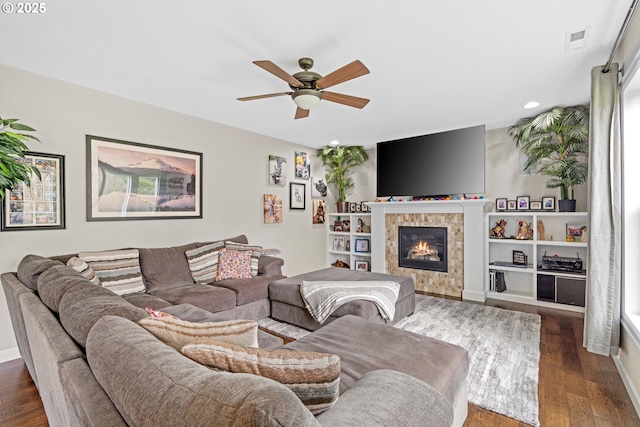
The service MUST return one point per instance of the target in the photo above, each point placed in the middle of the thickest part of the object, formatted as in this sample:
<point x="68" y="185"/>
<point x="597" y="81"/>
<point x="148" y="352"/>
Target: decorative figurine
<point x="540" y="230"/>
<point x="497" y="232"/>
<point x="524" y="230"/>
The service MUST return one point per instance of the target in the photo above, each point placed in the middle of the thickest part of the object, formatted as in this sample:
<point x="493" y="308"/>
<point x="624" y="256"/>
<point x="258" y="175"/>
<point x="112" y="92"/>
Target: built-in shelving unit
<point x="352" y="242"/>
<point x="530" y="284"/>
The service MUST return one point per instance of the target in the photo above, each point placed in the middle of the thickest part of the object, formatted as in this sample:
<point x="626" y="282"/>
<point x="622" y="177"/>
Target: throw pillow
<point x="158" y="313"/>
<point x="118" y="270"/>
<point x="256" y="253"/>
<point x="234" y="264"/>
<point x="84" y="269"/>
<point x="313" y="377"/>
<point x="177" y="333"/>
<point x="203" y="262"/>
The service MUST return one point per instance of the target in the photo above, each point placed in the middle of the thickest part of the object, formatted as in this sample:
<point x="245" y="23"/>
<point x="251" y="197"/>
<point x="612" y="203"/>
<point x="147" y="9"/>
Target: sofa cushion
<point x="84" y="269"/>
<point x="233" y="264"/>
<point x="118" y="270"/>
<point x="55" y="282"/>
<point x="84" y="304"/>
<point x="203" y="262"/>
<point x="178" y="333"/>
<point x="256" y="252"/>
<point x="249" y="290"/>
<point x="133" y="366"/>
<point x="30" y="268"/>
<point x="313" y="377"/>
<point x="165" y="267"/>
<point x="210" y="298"/>
<point x="144" y="300"/>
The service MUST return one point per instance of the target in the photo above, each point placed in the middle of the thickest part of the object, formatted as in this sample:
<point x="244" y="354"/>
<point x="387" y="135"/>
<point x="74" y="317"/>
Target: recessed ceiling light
<point x="334" y="142"/>
<point x="532" y="104"/>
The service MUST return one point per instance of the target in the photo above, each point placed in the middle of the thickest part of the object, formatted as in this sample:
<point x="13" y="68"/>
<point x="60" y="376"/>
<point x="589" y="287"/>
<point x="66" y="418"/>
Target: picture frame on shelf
<point x="338" y="243"/>
<point x="523" y="202"/>
<point x="577" y="231"/>
<point x="535" y="206"/>
<point x="352" y="206"/>
<point x="511" y="205"/>
<point x="337" y="226"/>
<point x="40" y="205"/>
<point x="501" y="204"/>
<point x="548" y="203"/>
<point x="346" y="225"/>
<point x="362" y="265"/>
<point x="297" y="196"/>
<point x="112" y="165"/>
<point x="362" y="245"/>
<point x="348" y="245"/>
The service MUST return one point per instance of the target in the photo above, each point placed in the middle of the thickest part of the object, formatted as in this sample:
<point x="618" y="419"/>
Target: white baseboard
<point x="473" y="296"/>
<point x="633" y="393"/>
<point x="11" y="354"/>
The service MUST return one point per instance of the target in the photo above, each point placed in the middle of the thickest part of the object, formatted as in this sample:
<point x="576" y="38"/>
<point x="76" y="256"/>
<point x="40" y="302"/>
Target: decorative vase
<point x="566" y="205"/>
<point x="342" y="207"/>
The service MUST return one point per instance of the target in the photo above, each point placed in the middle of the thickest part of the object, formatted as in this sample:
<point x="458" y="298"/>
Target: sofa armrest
<point x="270" y="266"/>
<point x="407" y="402"/>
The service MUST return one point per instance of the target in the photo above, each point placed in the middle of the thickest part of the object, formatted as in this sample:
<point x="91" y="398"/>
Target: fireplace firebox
<point x="423" y="248"/>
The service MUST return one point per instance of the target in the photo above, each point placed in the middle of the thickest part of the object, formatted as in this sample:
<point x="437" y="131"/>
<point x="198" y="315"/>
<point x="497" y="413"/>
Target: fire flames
<point x="423" y="251"/>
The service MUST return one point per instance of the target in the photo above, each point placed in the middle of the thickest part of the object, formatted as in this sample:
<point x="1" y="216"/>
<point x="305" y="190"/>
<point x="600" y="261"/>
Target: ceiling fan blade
<point x="340" y="98"/>
<point x="301" y="113"/>
<point x="341" y="75"/>
<point x="269" y="95"/>
<point x="278" y="72"/>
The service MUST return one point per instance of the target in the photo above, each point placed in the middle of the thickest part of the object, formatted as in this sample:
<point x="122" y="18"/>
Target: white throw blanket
<point x="324" y="297"/>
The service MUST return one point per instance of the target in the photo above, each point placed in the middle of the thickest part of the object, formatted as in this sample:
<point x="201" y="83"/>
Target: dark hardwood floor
<point x="577" y="388"/>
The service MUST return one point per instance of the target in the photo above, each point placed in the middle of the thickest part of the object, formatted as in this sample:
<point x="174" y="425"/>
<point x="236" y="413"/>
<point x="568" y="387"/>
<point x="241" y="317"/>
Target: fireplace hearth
<point x="423" y="248"/>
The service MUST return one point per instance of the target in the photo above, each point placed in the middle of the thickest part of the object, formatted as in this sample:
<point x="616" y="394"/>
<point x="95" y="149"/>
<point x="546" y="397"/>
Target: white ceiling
<point x="435" y="64"/>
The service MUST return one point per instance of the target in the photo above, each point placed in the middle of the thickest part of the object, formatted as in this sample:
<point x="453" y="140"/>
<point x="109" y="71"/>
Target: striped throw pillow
<point x="313" y="377"/>
<point x="84" y="269"/>
<point x="118" y="270"/>
<point x="177" y="333"/>
<point x="203" y="262"/>
<point x="256" y="252"/>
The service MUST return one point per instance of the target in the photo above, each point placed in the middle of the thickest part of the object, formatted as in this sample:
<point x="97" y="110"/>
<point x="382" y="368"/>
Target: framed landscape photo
<point x="297" y="195"/>
<point x="40" y="205"/>
<point x="501" y="204"/>
<point x="549" y="203"/>
<point x="362" y="245"/>
<point x="131" y="181"/>
<point x="523" y="202"/>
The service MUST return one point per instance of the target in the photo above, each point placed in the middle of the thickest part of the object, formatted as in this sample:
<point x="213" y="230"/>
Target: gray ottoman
<point x="365" y="346"/>
<point x="287" y="304"/>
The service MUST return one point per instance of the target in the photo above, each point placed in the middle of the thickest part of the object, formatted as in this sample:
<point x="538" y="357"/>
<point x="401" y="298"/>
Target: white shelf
<point x="522" y="282"/>
<point x="349" y="256"/>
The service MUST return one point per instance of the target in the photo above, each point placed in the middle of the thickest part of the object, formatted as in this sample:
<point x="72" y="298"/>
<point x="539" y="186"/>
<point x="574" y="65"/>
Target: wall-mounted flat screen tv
<point x="438" y="164"/>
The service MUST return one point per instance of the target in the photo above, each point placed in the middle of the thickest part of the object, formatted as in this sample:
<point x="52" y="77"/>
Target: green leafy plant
<point x="339" y="162"/>
<point x="13" y="169"/>
<point x="556" y="143"/>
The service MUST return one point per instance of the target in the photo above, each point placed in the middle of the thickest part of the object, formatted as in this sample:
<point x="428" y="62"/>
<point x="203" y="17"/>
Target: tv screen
<point x="439" y="164"/>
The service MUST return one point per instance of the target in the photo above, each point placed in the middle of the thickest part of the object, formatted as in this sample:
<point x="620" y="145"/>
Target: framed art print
<point x="362" y="245"/>
<point x="549" y="203"/>
<point x="297" y="195"/>
<point x="511" y="205"/>
<point x="130" y="181"/>
<point x="39" y="205"/>
<point x="523" y="202"/>
<point x="362" y="265"/>
<point x="535" y="206"/>
<point x="501" y="204"/>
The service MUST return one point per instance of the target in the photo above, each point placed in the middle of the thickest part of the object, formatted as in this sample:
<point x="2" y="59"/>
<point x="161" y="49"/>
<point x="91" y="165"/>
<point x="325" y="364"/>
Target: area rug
<point x="503" y="346"/>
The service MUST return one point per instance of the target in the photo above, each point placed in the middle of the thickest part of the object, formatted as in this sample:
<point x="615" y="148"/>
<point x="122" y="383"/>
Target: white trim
<point x="631" y="325"/>
<point x="628" y="384"/>
<point x="10" y="354"/>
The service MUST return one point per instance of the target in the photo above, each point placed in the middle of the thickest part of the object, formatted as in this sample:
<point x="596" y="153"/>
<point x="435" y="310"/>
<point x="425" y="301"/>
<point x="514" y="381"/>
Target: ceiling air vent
<point x="576" y="39"/>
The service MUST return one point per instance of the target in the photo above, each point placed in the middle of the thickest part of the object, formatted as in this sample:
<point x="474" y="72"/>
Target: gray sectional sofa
<point x="95" y="366"/>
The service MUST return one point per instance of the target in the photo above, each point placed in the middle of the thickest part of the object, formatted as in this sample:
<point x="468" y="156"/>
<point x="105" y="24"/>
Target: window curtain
<point x="602" y="316"/>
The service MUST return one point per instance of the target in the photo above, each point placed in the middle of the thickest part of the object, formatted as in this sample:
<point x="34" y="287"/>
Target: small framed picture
<point x="511" y="205"/>
<point x="535" y="206"/>
<point x="577" y="232"/>
<point x="297" y="195"/>
<point x="523" y="202"/>
<point x="362" y="245"/>
<point x="338" y="243"/>
<point x="346" y="225"/>
<point x="348" y="245"/>
<point x="337" y="226"/>
<point x="358" y="207"/>
<point x="352" y="206"/>
<point x="362" y="265"/>
<point x="549" y="203"/>
<point x="501" y="204"/>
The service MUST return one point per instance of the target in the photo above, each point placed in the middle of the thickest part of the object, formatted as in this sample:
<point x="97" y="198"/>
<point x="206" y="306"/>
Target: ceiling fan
<point x="308" y="86"/>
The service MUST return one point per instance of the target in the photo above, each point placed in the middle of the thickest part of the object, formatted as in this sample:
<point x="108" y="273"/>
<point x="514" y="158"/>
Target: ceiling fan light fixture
<point x="306" y="98"/>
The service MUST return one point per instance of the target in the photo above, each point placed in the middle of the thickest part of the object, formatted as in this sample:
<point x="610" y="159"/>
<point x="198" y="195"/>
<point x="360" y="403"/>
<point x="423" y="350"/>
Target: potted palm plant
<point x="339" y="162"/>
<point x="556" y="143"/>
<point x="13" y="169"/>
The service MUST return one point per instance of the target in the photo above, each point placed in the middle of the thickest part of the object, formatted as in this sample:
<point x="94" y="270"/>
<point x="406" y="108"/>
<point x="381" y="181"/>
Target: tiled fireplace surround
<point x="465" y="227"/>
